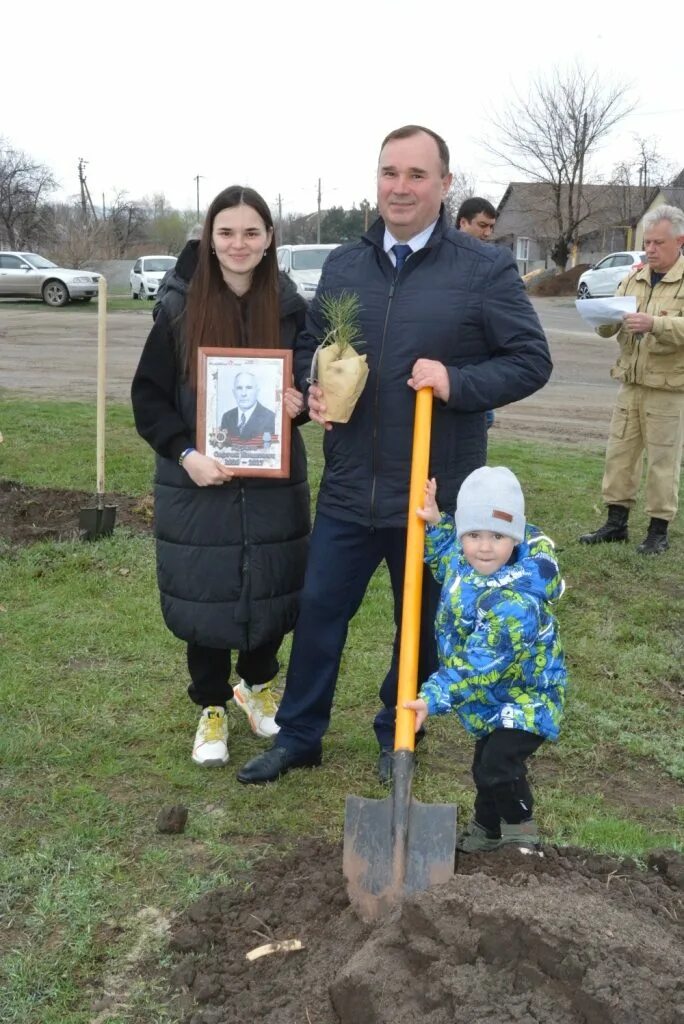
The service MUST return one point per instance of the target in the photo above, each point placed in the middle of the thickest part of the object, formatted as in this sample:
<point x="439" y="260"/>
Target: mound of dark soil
<point x="30" y="514"/>
<point x="570" y="938"/>
<point x="560" y="284"/>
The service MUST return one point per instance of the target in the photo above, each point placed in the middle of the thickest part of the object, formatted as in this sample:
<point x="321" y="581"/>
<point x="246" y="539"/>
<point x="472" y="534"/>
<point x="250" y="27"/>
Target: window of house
<point x="523" y="250"/>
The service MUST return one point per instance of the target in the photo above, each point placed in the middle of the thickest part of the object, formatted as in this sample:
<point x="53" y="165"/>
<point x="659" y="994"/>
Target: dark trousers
<point x="500" y="775"/>
<point x="209" y="670"/>
<point x="342" y="559"/>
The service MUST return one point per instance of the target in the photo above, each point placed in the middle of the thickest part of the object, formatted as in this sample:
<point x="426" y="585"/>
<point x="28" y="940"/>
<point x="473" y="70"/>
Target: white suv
<point x="303" y="263"/>
<point x="146" y="274"/>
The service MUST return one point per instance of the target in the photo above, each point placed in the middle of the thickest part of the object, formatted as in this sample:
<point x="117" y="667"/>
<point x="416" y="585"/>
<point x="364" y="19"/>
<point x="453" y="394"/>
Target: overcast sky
<point x="276" y="94"/>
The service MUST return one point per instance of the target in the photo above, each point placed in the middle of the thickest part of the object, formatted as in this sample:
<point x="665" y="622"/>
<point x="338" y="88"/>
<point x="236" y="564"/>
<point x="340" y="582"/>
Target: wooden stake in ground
<point x="99" y="521"/>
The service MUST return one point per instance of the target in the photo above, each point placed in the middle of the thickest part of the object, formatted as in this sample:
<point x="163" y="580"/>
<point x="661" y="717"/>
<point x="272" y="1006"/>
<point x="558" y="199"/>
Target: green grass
<point x="97" y="729"/>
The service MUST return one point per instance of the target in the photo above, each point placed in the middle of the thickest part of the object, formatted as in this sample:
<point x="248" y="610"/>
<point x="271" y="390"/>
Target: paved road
<point x="576" y="403"/>
<point x="52" y="353"/>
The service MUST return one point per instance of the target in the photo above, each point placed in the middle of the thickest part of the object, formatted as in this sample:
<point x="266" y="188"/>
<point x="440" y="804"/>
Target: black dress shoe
<point x="386" y="766"/>
<point x="273" y="763"/>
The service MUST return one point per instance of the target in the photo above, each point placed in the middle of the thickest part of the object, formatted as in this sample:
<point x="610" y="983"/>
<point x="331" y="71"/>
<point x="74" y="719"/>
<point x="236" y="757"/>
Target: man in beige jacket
<point x="649" y="410"/>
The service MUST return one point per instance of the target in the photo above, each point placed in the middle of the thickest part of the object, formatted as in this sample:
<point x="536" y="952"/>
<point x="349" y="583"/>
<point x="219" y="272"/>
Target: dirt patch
<point x="30" y="514"/>
<point x="560" y="284"/>
<point x="570" y="938"/>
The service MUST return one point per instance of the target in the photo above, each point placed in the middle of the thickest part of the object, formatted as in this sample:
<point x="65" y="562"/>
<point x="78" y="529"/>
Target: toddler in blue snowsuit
<point x="501" y="664"/>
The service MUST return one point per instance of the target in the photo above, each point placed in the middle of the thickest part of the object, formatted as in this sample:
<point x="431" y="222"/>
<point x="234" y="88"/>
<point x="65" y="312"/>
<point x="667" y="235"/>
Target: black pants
<point x="500" y="775"/>
<point x="209" y="670"/>
<point x="342" y="559"/>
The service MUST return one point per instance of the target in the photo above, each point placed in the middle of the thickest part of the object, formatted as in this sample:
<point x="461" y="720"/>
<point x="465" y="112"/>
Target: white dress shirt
<point x="417" y="242"/>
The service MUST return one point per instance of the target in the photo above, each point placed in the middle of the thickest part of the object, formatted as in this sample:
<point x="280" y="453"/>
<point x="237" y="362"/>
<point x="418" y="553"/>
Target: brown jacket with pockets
<point x="655" y="360"/>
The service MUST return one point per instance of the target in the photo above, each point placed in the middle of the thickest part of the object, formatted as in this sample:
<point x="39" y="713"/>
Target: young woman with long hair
<point x="231" y="551"/>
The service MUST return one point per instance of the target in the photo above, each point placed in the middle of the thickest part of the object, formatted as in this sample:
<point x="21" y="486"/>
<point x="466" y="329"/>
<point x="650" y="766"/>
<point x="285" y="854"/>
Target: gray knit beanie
<point x="491" y="498"/>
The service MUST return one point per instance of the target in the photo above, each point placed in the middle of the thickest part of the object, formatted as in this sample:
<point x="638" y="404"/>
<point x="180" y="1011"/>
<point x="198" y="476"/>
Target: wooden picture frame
<point x="241" y="418"/>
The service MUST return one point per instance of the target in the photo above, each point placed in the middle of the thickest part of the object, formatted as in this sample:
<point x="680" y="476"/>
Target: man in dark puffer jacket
<point x="437" y="309"/>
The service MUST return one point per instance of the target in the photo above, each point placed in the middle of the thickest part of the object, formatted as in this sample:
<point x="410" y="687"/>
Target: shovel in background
<point x="99" y="521"/>
<point x="399" y="845"/>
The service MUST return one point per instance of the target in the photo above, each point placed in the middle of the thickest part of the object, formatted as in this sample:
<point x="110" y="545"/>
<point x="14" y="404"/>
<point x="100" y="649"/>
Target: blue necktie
<point x="241" y="424"/>
<point x="402" y="253"/>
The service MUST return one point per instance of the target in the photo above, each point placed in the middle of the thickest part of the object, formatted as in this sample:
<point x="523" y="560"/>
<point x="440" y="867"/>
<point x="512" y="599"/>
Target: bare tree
<point x="635" y="178"/>
<point x="550" y="136"/>
<point x="297" y="229"/>
<point x="126" y="224"/>
<point x="77" y="239"/>
<point x="462" y="187"/>
<point x="25" y="185"/>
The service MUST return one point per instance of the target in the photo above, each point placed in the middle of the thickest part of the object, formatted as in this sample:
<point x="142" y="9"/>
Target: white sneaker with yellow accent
<point x="210" y="748"/>
<point x="260" y="704"/>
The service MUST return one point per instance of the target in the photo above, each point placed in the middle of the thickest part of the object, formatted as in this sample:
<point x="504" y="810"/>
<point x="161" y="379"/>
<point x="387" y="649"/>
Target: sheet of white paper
<point x="606" y="311"/>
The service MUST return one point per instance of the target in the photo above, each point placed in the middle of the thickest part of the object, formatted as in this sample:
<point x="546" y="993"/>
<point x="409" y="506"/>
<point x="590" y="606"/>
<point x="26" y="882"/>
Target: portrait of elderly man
<point x="248" y="419"/>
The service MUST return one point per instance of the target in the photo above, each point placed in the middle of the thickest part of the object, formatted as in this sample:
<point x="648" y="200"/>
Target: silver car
<point x="26" y="275"/>
<point x="604" y="277"/>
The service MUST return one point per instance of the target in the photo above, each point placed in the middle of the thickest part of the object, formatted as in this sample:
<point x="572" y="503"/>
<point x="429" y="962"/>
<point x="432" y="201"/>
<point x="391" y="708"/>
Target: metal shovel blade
<point x="395" y="846"/>
<point x="97" y="522"/>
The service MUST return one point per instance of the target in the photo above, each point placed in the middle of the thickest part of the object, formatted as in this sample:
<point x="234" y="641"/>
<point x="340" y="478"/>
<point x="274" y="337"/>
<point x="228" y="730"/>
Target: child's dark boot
<point x="524" y="837"/>
<point x="476" y="839"/>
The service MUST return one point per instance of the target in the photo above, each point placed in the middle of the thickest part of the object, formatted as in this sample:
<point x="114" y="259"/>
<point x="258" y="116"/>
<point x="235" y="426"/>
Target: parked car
<point x="26" y="275"/>
<point x="146" y="274"/>
<point x="303" y="263"/>
<point x="604" y="277"/>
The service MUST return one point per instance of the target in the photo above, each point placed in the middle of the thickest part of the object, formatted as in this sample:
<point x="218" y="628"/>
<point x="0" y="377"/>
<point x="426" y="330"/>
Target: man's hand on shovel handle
<point x="421" y="710"/>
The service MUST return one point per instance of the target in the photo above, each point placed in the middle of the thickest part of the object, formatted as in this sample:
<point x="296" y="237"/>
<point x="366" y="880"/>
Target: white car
<point x="26" y="275"/>
<point x="604" y="277"/>
<point x="303" y="263"/>
<point x="146" y="274"/>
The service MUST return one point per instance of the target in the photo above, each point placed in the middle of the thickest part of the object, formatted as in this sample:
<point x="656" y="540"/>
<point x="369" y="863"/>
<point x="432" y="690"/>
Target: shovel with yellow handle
<point x="399" y="845"/>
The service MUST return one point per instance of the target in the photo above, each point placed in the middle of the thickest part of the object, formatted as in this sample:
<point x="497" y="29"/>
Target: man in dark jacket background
<point x="437" y="309"/>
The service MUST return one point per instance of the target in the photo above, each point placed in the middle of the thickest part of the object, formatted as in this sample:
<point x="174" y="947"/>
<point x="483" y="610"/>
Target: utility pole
<point x="197" y="181"/>
<point x="81" y="181"/>
<point x="104" y="208"/>
<point x="318" y="219"/>
<point x="86" y="197"/>
<point x="580" y="178"/>
<point x="280" y="217"/>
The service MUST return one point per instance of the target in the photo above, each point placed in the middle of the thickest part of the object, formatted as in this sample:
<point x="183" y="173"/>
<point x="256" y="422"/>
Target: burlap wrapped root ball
<point x="342" y="375"/>
<point x="341" y="370"/>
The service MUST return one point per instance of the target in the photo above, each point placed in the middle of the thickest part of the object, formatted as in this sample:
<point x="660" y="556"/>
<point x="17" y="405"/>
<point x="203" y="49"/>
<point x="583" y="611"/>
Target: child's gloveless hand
<point x="430" y="512"/>
<point x="421" y="710"/>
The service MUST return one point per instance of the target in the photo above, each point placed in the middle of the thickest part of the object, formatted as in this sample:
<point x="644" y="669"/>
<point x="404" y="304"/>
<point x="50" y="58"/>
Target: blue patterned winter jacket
<point x="501" y="661"/>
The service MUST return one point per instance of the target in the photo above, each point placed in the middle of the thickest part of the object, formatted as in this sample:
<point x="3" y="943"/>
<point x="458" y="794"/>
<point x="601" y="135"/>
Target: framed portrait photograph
<point x="241" y="419"/>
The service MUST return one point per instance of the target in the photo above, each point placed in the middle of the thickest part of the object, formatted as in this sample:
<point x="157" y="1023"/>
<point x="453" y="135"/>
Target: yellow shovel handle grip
<point x="404" y="734"/>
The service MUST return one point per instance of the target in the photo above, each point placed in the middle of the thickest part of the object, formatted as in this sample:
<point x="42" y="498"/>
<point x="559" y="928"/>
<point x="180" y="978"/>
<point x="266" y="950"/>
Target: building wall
<point x="639" y="234"/>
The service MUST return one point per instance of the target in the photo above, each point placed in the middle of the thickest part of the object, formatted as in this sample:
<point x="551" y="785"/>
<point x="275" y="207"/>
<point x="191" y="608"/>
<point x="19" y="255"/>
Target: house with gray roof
<point x="610" y="217"/>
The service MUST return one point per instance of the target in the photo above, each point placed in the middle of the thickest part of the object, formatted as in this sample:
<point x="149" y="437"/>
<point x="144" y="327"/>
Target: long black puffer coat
<point x="230" y="559"/>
